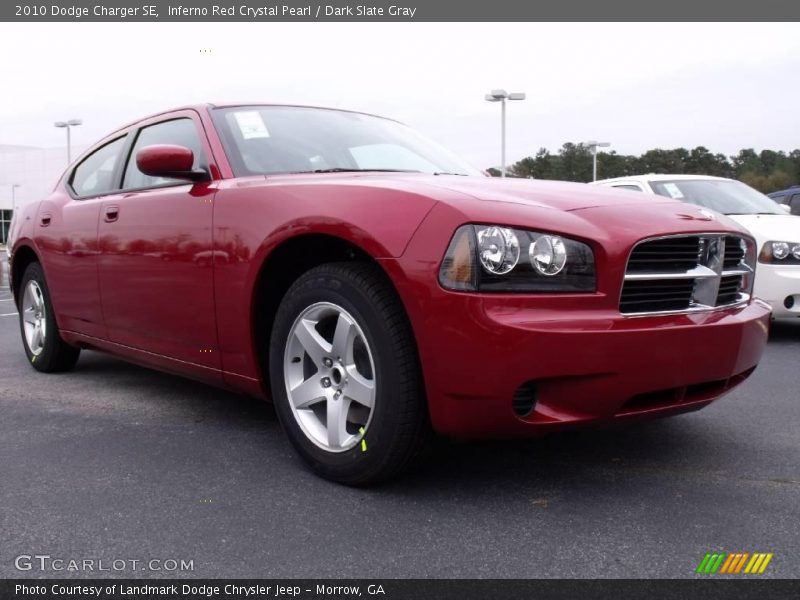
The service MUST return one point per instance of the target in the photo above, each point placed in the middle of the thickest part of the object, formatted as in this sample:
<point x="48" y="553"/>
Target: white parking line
<point x="9" y="315"/>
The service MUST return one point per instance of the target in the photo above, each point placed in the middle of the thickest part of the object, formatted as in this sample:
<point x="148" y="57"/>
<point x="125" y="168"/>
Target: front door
<point x="156" y="285"/>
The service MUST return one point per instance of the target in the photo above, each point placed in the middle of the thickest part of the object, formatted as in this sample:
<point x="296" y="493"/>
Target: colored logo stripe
<point x="726" y="566"/>
<point x="721" y="562"/>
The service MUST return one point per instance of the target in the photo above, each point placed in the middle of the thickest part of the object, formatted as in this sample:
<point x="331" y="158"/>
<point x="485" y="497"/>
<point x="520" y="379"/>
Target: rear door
<point x="156" y="283"/>
<point x="66" y="236"/>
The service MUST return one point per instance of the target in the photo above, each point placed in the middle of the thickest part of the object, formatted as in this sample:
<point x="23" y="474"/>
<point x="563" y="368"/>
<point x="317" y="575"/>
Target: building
<point x="27" y="174"/>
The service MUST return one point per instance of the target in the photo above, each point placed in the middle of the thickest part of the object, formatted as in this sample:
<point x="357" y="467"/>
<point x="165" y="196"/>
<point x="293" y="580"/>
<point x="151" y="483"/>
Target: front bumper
<point x="580" y="367"/>
<point x="779" y="286"/>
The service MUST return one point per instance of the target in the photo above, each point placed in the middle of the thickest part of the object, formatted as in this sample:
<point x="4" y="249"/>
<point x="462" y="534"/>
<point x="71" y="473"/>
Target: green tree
<point x="747" y="161"/>
<point x="541" y="166"/>
<point x="768" y="170"/>
<point x="575" y="163"/>
<point x="611" y="164"/>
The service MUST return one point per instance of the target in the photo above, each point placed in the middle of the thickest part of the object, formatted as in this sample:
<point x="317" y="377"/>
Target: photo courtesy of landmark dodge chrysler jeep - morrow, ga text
<point x="376" y="288"/>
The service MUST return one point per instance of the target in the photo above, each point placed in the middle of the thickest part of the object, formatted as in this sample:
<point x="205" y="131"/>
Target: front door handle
<point x="112" y="213"/>
<point x="44" y="219"/>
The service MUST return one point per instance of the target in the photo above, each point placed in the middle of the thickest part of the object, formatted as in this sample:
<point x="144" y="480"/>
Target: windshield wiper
<point x="348" y="170"/>
<point x="446" y="173"/>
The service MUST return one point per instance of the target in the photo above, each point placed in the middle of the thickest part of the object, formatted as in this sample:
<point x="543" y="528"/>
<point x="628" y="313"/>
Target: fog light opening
<point x="524" y="400"/>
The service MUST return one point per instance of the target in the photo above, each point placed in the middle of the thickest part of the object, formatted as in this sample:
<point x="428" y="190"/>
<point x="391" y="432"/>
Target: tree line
<point x="767" y="171"/>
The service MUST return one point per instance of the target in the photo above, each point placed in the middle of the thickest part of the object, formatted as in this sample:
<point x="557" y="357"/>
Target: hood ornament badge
<point x="705" y="215"/>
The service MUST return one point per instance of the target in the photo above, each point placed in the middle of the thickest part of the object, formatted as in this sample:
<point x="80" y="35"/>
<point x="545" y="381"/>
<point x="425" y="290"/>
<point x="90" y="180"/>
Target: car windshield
<point x="264" y="140"/>
<point x="722" y="195"/>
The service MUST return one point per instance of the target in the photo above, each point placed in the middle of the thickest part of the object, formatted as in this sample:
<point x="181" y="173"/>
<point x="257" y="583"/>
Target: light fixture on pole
<point x="14" y="187"/>
<point x="501" y="96"/>
<point x="67" y="125"/>
<point x="594" y="146"/>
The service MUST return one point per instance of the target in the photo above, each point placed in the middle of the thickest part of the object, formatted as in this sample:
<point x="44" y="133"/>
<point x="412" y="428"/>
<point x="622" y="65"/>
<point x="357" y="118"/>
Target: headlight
<point x="780" y="253"/>
<point x="548" y="255"/>
<point x="492" y="258"/>
<point x="498" y="249"/>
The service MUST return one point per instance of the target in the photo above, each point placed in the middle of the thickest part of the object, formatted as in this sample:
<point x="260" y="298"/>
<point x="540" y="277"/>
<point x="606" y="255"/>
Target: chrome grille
<point x="668" y="254"/>
<point x="734" y="253"/>
<point x="729" y="287"/>
<point x="686" y="272"/>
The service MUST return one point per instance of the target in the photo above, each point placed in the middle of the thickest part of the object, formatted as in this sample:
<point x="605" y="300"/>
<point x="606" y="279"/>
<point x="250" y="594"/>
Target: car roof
<point x="663" y="177"/>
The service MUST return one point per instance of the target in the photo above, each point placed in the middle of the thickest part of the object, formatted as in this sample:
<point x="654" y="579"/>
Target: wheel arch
<point x="24" y="255"/>
<point x="285" y="262"/>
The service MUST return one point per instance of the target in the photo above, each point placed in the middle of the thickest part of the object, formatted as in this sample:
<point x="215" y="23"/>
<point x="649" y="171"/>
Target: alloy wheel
<point x="34" y="318"/>
<point x="330" y="376"/>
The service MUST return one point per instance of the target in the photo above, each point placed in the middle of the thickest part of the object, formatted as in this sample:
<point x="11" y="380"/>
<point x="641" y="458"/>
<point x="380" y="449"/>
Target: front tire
<point x="345" y="375"/>
<point x="45" y="349"/>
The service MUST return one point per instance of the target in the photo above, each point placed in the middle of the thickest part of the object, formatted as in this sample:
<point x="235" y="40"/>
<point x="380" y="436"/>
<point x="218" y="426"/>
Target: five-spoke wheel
<point x="34" y="317"/>
<point x="330" y="376"/>
<point x="345" y="374"/>
<point x="45" y="348"/>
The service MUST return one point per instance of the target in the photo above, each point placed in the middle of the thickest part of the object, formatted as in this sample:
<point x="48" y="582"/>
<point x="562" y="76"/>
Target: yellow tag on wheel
<point x="363" y="441"/>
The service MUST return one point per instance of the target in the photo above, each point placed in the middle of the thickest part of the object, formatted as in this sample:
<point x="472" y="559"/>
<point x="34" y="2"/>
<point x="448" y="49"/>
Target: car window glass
<point x="283" y="139"/>
<point x="794" y="204"/>
<point x="178" y="132"/>
<point x="722" y="195"/>
<point x="389" y="156"/>
<point x="94" y="176"/>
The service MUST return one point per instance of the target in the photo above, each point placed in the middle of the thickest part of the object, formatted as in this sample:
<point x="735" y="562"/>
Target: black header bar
<point x="397" y="10"/>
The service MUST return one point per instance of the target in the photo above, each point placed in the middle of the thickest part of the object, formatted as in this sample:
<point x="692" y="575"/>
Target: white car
<point x="777" y="233"/>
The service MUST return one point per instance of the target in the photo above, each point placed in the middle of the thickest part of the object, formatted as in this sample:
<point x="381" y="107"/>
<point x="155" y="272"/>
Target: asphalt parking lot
<point x="114" y="461"/>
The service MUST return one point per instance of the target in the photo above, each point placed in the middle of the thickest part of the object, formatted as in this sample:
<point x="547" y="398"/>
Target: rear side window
<point x="627" y="186"/>
<point x="95" y="175"/>
<point x="178" y="132"/>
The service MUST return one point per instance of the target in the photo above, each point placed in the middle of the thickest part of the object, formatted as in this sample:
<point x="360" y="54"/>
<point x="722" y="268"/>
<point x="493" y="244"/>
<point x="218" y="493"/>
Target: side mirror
<point x="786" y="207"/>
<point x="174" y="162"/>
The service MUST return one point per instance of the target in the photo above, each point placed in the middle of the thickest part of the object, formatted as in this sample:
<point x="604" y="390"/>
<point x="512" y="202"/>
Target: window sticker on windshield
<point x="251" y="125"/>
<point x="673" y="191"/>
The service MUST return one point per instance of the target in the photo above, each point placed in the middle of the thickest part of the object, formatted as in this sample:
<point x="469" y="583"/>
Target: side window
<point x="94" y="176"/>
<point x="178" y="132"/>
<point x="794" y="204"/>
<point x="627" y="186"/>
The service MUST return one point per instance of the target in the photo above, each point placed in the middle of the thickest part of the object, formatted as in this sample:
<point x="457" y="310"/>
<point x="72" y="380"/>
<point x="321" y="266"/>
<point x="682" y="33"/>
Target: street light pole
<point x="501" y="96"/>
<point x="594" y="146"/>
<point x="14" y="187"/>
<point x="68" y="125"/>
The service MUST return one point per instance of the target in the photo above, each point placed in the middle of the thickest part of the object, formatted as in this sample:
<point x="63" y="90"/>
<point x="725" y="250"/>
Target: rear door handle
<point x="112" y="213"/>
<point x="44" y="220"/>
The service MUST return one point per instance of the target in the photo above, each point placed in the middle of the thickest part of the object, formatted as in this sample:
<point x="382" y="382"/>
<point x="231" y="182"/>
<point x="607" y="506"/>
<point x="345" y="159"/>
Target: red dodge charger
<point x="375" y="287"/>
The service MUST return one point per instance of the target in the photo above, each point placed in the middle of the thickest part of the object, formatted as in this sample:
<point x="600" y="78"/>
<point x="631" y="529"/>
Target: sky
<point x="638" y="86"/>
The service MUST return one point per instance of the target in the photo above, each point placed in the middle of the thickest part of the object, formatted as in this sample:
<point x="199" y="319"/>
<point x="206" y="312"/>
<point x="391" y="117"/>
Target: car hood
<point x="777" y="228"/>
<point x="609" y="216"/>
<point x="560" y="195"/>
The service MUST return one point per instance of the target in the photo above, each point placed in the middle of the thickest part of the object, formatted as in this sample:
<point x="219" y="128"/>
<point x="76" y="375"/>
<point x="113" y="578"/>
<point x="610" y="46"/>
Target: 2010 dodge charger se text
<point x="376" y="288"/>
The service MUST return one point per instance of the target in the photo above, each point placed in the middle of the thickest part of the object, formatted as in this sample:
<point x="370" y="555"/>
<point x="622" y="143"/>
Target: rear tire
<point x="356" y="370"/>
<point x="46" y="350"/>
